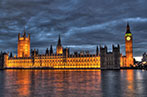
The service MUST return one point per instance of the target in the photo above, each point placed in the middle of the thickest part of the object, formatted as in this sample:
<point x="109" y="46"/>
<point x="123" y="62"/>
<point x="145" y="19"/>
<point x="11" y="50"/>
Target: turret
<point x="47" y="51"/>
<point x="29" y="36"/>
<point x="97" y="51"/>
<point x="59" y="41"/>
<point x="118" y="46"/>
<point x="116" y="49"/>
<point x="103" y="50"/>
<point x="51" y="50"/>
<point x="66" y="52"/>
<point x="11" y="55"/>
<point x="34" y="52"/>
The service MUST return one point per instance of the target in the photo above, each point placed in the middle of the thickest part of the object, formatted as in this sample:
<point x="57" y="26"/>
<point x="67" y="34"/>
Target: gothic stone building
<point x="110" y="60"/>
<point x="62" y="58"/>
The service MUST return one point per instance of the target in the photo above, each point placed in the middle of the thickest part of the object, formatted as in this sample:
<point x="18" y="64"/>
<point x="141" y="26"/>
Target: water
<point x="73" y="83"/>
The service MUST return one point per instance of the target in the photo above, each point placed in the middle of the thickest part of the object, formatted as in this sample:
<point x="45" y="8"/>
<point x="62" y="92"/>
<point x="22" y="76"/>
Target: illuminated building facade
<point x="102" y="59"/>
<point x="55" y="61"/>
<point x="122" y="61"/>
<point x="61" y="59"/>
<point x="23" y="49"/>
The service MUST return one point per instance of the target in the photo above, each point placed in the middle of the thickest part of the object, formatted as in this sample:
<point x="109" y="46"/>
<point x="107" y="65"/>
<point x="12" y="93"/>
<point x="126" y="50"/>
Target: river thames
<point x="73" y="83"/>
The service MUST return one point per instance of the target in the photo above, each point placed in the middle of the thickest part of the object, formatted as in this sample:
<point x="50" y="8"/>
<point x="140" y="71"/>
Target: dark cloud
<point x="83" y="24"/>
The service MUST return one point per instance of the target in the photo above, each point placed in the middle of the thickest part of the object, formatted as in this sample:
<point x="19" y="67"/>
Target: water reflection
<point x="73" y="83"/>
<point x="130" y="82"/>
<point x="110" y="83"/>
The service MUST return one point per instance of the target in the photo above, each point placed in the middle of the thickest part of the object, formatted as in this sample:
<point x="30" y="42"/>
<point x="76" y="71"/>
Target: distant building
<point x="144" y="58"/>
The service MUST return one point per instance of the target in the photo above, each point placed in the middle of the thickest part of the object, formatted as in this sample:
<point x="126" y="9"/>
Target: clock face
<point x="128" y="38"/>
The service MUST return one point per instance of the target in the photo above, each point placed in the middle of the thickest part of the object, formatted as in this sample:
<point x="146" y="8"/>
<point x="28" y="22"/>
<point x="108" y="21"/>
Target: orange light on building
<point x="63" y="59"/>
<point x="129" y="47"/>
<point x="23" y="49"/>
<point x="59" y="47"/>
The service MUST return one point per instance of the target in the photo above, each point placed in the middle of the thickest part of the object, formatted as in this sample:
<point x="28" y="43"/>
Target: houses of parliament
<point x="102" y="59"/>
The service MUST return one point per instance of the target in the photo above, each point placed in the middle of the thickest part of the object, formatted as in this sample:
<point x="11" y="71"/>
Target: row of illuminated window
<point x="48" y="57"/>
<point x="20" y="61"/>
<point x="56" y="57"/>
<point x="81" y="60"/>
<point x="52" y="61"/>
<point x="67" y="64"/>
<point x="49" y="60"/>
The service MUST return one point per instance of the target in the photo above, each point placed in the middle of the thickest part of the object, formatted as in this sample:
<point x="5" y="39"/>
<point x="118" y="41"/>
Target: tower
<point x="116" y="56"/>
<point x="129" y="46"/>
<point x="23" y="49"/>
<point x="59" y="49"/>
<point x="103" y="54"/>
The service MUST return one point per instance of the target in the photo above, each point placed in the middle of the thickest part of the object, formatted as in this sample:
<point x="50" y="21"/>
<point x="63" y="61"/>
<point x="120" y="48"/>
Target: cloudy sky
<point x="83" y="24"/>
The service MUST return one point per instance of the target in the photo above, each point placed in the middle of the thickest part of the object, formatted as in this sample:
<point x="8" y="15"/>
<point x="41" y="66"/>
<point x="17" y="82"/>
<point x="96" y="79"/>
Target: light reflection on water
<point x="73" y="83"/>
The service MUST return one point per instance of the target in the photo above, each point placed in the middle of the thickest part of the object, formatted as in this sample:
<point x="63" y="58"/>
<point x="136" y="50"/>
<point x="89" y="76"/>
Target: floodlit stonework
<point x="62" y="58"/>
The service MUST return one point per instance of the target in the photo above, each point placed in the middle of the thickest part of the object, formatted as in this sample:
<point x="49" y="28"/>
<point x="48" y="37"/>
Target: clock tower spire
<point x="128" y="28"/>
<point x="129" y="46"/>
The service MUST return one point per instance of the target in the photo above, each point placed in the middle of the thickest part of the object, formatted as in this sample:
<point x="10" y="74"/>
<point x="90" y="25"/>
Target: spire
<point x="18" y="36"/>
<point x="24" y="35"/>
<point x="59" y="41"/>
<point x="97" y="50"/>
<point x="118" y="46"/>
<point x="11" y="55"/>
<point x="47" y="51"/>
<point x="51" y="49"/>
<point x="128" y="28"/>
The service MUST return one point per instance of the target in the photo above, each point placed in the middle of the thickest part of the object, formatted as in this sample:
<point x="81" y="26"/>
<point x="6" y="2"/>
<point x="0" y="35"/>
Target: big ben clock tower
<point x="129" y="47"/>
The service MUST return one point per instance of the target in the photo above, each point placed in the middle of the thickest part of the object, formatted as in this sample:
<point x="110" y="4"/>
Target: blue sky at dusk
<point x="82" y="24"/>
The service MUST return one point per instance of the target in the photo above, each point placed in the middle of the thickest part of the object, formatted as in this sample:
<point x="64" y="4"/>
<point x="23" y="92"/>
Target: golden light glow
<point x="23" y="49"/>
<point x="59" y="60"/>
<point x="130" y="79"/>
<point x="59" y="50"/>
<point x="129" y="51"/>
<point x="24" y="82"/>
<point x="55" y="62"/>
<point x="128" y="38"/>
